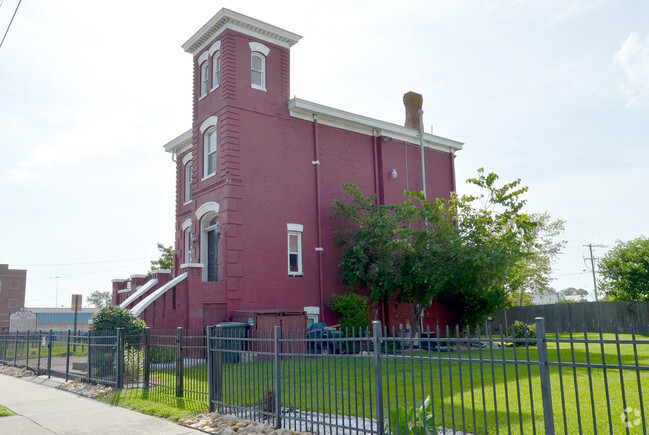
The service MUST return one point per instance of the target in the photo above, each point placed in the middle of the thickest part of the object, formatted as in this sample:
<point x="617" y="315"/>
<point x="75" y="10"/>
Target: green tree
<point x="532" y="272"/>
<point x="100" y="299"/>
<point x="624" y="271"/>
<point x="353" y="311"/>
<point x="370" y="234"/>
<point x="166" y="260"/>
<point x="464" y="250"/>
<point x="110" y="318"/>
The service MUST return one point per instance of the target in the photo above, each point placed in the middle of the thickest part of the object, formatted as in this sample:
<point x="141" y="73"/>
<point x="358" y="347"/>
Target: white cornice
<point x="180" y="144"/>
<point x="361" y="124"/>
<point x="227" y="19"/>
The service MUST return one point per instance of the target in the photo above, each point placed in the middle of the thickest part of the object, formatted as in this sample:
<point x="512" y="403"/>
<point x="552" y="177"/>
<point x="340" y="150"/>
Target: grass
<point x="475" y="397"/>
<point x="58" y="349"/>
<point x="466" y="392"/>
<point x="4" y="412"/>
<point x="160" y="405"/>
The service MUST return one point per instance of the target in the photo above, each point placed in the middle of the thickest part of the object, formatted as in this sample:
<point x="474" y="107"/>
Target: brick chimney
<point x="413" y="102"/>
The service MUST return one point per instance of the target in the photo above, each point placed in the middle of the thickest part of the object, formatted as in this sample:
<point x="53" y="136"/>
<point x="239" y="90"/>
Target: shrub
<point x="352" y="310"/>
<point x="108" y="319"/>
<point x="162" y="355"/>
<point x="520" y="328"/>
<point x="133" y="365"/>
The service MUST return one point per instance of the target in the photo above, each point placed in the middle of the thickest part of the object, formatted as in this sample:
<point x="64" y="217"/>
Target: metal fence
<point x="519" y="381"/>
<point x="465" y="381"/>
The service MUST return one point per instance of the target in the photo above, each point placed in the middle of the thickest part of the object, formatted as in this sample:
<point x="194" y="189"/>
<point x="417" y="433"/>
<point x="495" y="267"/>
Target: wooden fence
<point x="588" y="315"/>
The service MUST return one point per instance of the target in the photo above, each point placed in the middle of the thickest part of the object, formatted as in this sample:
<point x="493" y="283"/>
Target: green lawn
<point x="58" y="349"/>
<point x="466" y="395"/>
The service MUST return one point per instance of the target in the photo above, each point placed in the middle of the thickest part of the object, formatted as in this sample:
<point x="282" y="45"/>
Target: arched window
<point x="188" y="182"/>
<point x="258" y="54"/>
<point x="210" y="234"/>
<point x="216" y="70"/>
<point x="188" y="245"/>
<point x="209" y="140"/>
<point x="187" y="236"/>
<point x="205" y="76"/>
<point x="208" y="129"/>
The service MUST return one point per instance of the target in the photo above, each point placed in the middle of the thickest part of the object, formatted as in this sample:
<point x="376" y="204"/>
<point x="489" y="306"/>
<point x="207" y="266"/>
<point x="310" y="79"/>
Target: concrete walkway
<point x="40" y="408"/>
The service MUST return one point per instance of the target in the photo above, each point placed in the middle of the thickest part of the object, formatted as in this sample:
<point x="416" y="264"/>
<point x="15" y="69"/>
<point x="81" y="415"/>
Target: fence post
<point x="544" y="375"/>
<point x="16" y="350"/>
<point x="49" y="355"/>
<point x="378" y="375"/>
<point x="278" y="380"/>
<point x="120" y="358"/>
<point x="210" y="369"/>
<point x="4" y="348"/>
<point x="147" y="358"/>
<point x="179" y="362"/>
<point x="40" y="341"/>
<point x="27" y="352"/>
<point x="90" y="350"/>
<point x="67" y="358"/>
<point x="218" y="366"/>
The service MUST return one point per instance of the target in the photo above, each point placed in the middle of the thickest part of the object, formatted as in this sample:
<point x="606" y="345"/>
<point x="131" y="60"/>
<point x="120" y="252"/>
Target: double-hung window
<point x="210" y="152"/>
<point x="258" y="71"/>
<point x="205" y="76"/>
<point x="258" y="54"/>
<point x="188" y="182"/>
<point x="216" y="70"/>
<point x="294" y="249"/>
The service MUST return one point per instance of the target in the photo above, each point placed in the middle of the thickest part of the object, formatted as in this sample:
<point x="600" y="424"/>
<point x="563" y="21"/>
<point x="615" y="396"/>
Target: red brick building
<point x="256" y="175"/>
<point x="12" y="293"/>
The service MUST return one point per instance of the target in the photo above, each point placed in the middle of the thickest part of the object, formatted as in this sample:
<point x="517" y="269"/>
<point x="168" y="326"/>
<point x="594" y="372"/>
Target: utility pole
<point x="56" y="299"/>
<point x="592" y="266"/>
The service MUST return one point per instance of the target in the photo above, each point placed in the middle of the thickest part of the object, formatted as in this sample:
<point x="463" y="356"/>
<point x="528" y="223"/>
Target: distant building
<point x="549" y="297"/>
<point x="56" y="319"/>
<point x="256" y="174"/>
<point x="12" y="293"/>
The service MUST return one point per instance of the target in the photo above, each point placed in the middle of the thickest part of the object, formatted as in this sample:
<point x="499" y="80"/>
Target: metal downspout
<point x="319" y="249"/>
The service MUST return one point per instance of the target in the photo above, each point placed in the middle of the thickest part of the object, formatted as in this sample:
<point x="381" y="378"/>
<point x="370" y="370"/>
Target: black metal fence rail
<point x="376" y="381"/>
<point x="469" y="381"/>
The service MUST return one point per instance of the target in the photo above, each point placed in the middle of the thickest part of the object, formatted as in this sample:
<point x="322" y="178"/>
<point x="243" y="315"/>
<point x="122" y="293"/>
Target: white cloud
<point x="633" y="60"/>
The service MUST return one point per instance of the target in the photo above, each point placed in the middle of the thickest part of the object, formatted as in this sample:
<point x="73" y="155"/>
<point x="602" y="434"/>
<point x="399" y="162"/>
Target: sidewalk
<point x="40" y="408"/>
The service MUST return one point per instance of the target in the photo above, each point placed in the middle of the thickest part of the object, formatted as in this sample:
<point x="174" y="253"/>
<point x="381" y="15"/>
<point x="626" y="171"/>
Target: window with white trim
<point x="205" y="75"/>
<point x="216" y="70"/>
<point x="188" y="245"/>
<point x="210" y="234"/>
<point x="294" y="233"/>
<point x="209" y="148"/>
<point x="258" y="71"/>
<point x="188" y="182"/>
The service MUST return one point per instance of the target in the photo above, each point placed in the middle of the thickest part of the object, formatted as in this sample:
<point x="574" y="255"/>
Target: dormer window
<point x="258" y="54"/>
<point x="205" y="74"/>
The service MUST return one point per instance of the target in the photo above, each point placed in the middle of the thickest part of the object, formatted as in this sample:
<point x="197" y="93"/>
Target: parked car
<point x="325" y="339"/>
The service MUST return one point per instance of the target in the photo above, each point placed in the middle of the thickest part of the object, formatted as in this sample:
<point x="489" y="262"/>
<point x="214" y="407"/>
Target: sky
<point x="555" y="93"/>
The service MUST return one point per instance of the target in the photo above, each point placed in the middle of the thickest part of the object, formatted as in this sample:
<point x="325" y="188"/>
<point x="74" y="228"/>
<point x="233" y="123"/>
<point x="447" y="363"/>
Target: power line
<point x="80" y="264"/>
<point x="12" y="20"/>
<point x="84" y="274"/>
